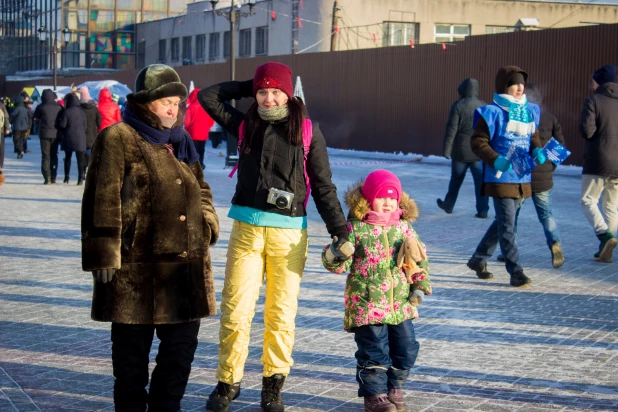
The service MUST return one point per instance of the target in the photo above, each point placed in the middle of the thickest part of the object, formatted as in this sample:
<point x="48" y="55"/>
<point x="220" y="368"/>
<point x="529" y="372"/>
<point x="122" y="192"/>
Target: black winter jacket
<point x="459" y="127"/>
<point x="93" y="121"/>
<point x="276" y="163"/>
<point x="71" y="122"/>
<point x="542" y="175"/>
<point x="46" y="113"/>
<point x="599" y="126"/>
<point x="20" y="119"/>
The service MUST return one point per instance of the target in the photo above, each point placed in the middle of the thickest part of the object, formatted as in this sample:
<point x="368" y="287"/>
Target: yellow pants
<point x="255" y="253"/>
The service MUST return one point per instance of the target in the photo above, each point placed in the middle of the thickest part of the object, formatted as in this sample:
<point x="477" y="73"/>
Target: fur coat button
<point x="182" y="218"/>
<point x="183" y="254"/>
<point x="178" y="181"/>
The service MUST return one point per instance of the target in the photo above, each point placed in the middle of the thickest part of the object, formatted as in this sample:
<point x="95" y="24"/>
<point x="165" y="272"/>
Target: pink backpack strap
<point x="241" y="137"/>
<point x="307" y="136"/>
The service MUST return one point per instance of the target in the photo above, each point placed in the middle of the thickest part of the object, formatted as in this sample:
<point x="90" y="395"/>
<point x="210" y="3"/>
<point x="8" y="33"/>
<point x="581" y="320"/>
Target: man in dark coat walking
<point x="457" y="146"/>
<point x="599" y="126"/>
<point x="46" y="114"/>
<point x="4" y="130"/>
<point x="71" y="122"/>
<point x="21" y="123"/>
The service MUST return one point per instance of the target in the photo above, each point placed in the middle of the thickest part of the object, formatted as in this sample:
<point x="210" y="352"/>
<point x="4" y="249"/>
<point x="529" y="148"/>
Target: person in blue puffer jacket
<point x="510" y="121"/>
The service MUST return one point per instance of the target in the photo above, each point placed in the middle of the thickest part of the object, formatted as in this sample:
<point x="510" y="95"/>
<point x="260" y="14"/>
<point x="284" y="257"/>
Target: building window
<point x="186" y="48"/>
<point x="261" y="40"/>
<point x="446" y="33"/>
<point x="200" y="47"/>
<point x="399" y="33"/>
<point x="226" y="44"/>
<point x="500" y="29"/>
<point x="244" y="43"/>
<point x="213" y="47"/>
<point x="175" y="49"/>
<point x="162" y="50"/>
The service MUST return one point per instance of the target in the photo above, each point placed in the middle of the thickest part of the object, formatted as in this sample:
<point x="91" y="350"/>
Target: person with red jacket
<point x="198" y="124"/>
<point x="110" y="112"/>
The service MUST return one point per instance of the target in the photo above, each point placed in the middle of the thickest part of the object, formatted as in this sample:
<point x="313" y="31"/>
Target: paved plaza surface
<point x="485" y="346"/>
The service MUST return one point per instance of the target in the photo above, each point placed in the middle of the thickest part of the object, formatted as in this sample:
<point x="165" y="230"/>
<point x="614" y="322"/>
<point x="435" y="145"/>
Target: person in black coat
<point x="4" y="130"/>
<point x="46" y="114"/>
<point x="71" y="121"/>
<point x="93" y="120"/>
<point x="459" y="129"/>
<point x="599" y="126"/>
<point x="20" y="121"/>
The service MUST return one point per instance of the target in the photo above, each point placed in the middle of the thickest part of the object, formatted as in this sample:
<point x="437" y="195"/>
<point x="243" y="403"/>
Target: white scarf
<point x="521" y="120"/>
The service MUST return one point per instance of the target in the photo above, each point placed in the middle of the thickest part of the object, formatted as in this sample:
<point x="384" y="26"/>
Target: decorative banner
<point x="411" y="43"/>
<point x="443" y="46"/>
<point x="273" y="15"/>
<point x="300" y="23"/>
<point x="336" y="29"/>
<point x="374" y="37"/>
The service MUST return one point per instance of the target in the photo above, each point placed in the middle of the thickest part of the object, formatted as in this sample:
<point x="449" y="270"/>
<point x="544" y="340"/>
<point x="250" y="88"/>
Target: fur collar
<point x="359" y="206"/>
<point x="148" y="117"/>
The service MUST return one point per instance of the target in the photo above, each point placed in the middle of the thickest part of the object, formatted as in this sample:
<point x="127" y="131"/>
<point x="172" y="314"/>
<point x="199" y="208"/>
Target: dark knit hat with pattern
<point x="273" y="75"/>
<point x="157" y="81"/>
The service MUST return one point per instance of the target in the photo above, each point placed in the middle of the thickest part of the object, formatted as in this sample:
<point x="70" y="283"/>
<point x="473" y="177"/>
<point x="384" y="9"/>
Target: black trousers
<point x="81" y="164"/>
<point x="1" y="149"/>
<point x="18" y="140"/>
<point x="200" y="146"/>
<point x="130" y="349"/>
<point x="49" y="158"/>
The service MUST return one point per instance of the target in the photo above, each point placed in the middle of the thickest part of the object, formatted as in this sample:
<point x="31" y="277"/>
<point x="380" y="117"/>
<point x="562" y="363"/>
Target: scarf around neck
<point x="176" y="136"/>
<point x="274" y="114"/>
<point x="383" y="219"/>
<point x="521" y="120"/>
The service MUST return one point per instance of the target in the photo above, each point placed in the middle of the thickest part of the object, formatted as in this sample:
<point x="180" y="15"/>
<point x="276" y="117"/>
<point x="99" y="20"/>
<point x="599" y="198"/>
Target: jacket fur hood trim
<point x="359" y="206"/>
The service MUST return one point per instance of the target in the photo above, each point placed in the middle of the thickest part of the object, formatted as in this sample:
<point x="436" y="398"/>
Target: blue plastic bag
<point x="556" y="152"/>
<point x="522" y="162"/>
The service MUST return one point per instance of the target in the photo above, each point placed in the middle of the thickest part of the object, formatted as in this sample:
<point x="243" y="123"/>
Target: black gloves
<point x="103" y="275"/>
<point x="341" y="249"/>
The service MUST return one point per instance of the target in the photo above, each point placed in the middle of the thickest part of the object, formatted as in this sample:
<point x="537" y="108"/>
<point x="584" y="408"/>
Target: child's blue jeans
<point x="385" y="355"/>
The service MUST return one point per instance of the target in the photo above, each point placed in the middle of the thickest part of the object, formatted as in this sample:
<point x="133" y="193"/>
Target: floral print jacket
<point x="376" y="289"/>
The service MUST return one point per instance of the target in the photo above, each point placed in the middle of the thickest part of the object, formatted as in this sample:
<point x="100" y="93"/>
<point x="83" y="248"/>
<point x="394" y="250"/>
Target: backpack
<point x="307" y="136"/>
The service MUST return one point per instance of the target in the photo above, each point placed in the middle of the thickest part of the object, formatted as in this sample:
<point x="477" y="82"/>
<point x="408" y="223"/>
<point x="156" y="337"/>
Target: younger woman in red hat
<point x="381" y="292"/>
<point x="282" y="155"/>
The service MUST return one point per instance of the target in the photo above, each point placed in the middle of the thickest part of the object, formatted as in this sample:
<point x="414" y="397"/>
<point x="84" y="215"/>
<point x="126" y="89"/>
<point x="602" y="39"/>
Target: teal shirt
<point x="261" y="218"/>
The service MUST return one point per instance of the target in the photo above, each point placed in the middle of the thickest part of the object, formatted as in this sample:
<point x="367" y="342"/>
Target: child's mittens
<point x="339" y="250"/>
<point x="416" y="297"/>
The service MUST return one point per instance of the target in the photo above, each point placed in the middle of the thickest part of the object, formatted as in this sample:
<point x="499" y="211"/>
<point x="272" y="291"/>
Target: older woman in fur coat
<point x="147" y="222"/>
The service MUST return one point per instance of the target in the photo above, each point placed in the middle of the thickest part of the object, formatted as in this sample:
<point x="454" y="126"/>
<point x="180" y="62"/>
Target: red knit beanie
<point x="381" y="183"/>
<point x="273" y="75"/>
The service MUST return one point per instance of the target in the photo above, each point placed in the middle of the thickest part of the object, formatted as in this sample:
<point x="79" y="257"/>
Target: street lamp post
<point x="232" y="15"/>
<point x="54" y="47"/>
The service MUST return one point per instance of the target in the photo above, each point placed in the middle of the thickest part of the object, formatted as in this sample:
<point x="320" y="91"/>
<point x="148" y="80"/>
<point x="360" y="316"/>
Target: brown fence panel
<point x="398" y="98"/>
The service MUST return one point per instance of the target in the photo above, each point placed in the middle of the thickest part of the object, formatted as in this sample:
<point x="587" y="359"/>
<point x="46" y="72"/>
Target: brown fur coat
<point x="152" y="217"/>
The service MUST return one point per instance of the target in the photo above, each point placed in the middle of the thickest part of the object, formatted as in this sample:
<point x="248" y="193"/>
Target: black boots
<point x="441" y="205"/>
<point x="222" y="396"/>
<point x="271" y="393"/>
<point x="519" y="279"/>
<point x="66" y="179"/>
<point x="480" y="268"/>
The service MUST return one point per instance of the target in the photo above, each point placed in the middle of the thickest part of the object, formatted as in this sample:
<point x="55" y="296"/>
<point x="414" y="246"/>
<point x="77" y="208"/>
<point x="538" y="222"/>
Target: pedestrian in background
<point x="46" y="114"/>
<point x="509" y="121"/>
<point x="110" y="112"/>
<point x="380" y="301"/>
<point x="71" y="122"/>
<point x="148" y="221"/>
<point x="93" y="121"/>
<point x="459" y="129"/>
<point x="198" y="124"/>
<point x="4" y="130"/>
<point x="599" y="126"/>
<point x="20" y="120"/>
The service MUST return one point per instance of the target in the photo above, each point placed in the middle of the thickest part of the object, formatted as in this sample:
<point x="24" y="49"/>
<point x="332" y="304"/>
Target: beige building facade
<point x="278" y="27"/>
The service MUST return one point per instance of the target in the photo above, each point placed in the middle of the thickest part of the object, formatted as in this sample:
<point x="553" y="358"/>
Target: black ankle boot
<point x="271" y="393"/>
<point x="519" y="279"/>
<point x="66" y="179"/>
<point x="222" y="396"/>
<point x="480" y="268"/>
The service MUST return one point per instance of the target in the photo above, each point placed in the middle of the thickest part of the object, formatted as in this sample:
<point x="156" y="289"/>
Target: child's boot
<point x="396" y="397"/>
<point x="379" y="403"/>
<point x="271" y="393"/>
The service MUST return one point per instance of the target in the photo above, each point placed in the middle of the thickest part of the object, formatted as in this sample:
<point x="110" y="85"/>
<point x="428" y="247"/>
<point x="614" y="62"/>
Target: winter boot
<point x="606" y="248"/>
<point x="519" y="279"/>
<point x="271" y="393"/>
<point x="396" y="398"/>
<point x="1" y="178"/>
<point x="557" y="258"/>
<point x="379" y="403"/>
<point x="66" y="179"/>
<point x="440" y="203"/>
<point x="480" y="268"/>
<point x="501" y="258"/>
<point x="222" y="396"/>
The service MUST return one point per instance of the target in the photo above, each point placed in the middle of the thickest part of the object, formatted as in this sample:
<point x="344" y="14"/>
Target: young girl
<point x="379" y="302"/>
